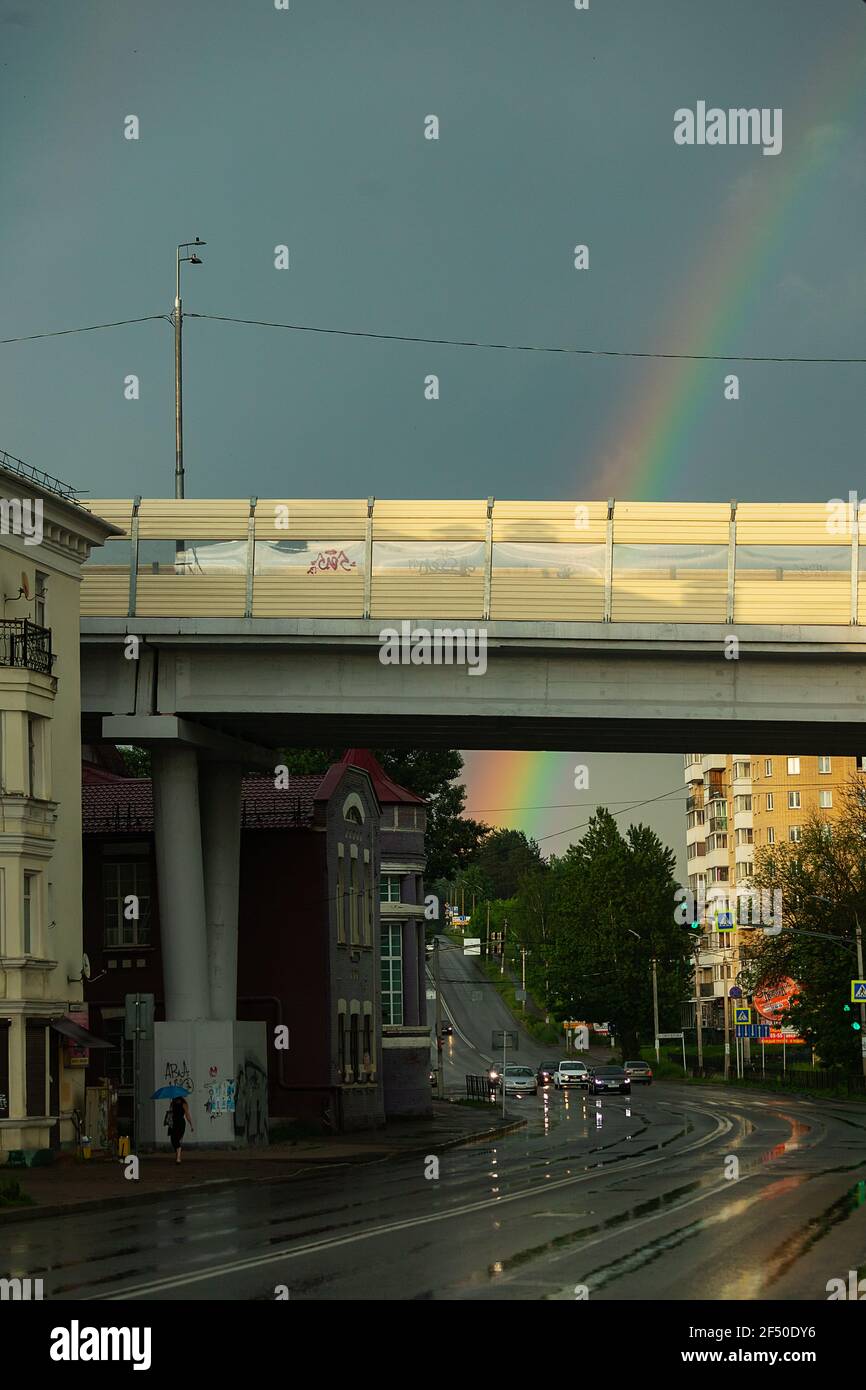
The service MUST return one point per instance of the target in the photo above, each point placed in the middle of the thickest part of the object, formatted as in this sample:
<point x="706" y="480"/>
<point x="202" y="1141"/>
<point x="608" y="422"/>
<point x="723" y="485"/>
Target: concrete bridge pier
<point x="220" y="797"/>
<point x="180" y="873"/>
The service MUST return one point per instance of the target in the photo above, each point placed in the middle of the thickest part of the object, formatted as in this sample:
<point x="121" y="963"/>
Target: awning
<point x="77" y="1033"/>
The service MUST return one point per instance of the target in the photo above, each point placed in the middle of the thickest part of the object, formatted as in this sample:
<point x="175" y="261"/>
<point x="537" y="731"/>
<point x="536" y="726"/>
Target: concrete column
<point x="410" y="973"/>
<point x="177" y="829"/>
<point x="220" y="794"/>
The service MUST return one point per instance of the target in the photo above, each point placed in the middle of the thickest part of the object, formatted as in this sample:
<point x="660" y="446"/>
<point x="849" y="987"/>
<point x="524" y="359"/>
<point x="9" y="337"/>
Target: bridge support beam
<point x="220" y="795"/>
<point x="177" y="829"/>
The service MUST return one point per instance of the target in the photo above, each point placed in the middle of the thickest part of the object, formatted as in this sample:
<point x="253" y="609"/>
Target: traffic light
<point x="855" y="1022"/>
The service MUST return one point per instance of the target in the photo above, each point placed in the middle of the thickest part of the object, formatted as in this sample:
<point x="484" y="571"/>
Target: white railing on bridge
<point x="780" y="563"/>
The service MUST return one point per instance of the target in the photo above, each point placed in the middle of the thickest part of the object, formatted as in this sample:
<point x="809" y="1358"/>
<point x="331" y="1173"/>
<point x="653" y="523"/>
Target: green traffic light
<point x="856" y="1027"/>
<point x="847" y="1008"/>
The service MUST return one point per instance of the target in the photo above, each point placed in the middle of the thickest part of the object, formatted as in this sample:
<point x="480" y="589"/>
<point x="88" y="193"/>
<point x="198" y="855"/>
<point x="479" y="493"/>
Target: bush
<point x="12" y="1194"/>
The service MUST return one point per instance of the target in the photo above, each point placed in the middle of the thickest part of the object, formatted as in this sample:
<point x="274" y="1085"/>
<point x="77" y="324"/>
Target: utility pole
<point x="858" y="936"/>
<point x="656" y="1010"/>
<point x="523" y="981"/>
<point x="178" y="364"/>
<point x="437" y="976"/>
<point x="726" y="1005"/>
<point x="502" y="939"/>
<point x="487" y="937"/>
<point x="699" y="1022"/>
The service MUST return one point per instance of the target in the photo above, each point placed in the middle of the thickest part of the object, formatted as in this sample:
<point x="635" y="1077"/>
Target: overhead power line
<point x="91" y="328"/>
<point x="569" y="830"/>
<point x="522" y="347"/>
<point x="565" y="348"/>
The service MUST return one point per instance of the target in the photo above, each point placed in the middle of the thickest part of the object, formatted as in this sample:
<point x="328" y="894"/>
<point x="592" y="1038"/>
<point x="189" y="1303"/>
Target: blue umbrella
<point x="169" y="1093"/>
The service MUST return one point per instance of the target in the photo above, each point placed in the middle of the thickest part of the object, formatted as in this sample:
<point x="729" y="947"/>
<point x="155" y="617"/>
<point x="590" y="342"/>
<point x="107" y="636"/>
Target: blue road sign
<point x="753" y="1030"/>
<point x="742" y="1015"/>
<point x="858" y="990"/>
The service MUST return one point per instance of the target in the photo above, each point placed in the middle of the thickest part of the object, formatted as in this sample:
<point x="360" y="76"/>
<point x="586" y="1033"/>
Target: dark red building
<point x="310" y="945"/>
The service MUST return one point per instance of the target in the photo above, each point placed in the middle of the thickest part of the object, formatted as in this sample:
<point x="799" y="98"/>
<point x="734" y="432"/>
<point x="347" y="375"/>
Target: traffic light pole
<point x="859" y="939"/>
<point x="437" y="975"/>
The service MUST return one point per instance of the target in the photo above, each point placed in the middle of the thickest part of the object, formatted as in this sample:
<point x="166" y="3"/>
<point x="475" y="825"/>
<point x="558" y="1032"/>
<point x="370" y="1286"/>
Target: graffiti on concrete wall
<point x="220" y="1098"/>
<point x="251" y="1102"/>
<point x="177" y="1074"/>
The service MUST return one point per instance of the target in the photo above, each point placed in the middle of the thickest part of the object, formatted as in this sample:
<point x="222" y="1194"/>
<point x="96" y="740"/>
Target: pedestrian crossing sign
<point x="742" y="1015"/>
<point x="725" y="921"/>
<point x="858" y="991"/>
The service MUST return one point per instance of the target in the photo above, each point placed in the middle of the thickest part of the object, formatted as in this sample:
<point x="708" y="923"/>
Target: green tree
<point x="613" y="914"/>
<point x="136" y="760"/>
<point x="505" y="857"/>
<point x="822" y="880"/>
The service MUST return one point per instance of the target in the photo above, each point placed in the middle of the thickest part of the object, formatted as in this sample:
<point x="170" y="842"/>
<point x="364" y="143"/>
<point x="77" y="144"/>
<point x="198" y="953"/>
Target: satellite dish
<point x="25" y="584"/>
<point x="85" y="966"/>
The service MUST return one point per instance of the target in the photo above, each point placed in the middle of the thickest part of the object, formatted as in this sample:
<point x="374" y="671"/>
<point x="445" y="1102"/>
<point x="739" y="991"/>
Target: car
<point x="546" y="1073"/>
<point x="518" y="1081"/>
<point x="609" y="1079"/>
<point x="570" y="1073"/>
<point x="446" y="1029"/>
<point x="639" y="1071"/>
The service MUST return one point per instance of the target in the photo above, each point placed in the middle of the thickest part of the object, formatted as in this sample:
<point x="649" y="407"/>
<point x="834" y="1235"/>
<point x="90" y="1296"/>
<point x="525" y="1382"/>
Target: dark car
<point x="609" y="1079"/>
<point x="546" y="1073"/>
<point x="639" y="1071"/>
<point x="447" y="1029"/>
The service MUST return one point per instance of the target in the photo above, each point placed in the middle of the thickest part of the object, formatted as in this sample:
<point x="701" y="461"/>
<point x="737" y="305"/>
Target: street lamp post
<point x="178" y="364"/>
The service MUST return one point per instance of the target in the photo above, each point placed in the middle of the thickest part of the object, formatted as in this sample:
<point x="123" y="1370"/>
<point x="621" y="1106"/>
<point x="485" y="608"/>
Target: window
<point x="32" y="759"/>
<point x="354" y="1049"/>
<point x="353" y="901"/>
<point x="742" y="769"/>
<point x="769" y="801"/>
<point x="825" y="800"/>
<point x="389" y="888"/>
<point x="341" y="1044"/>
<point x="793" y="766"/>
<point x="29" y="912"/>
<point x="341" y="898"/>
<point x="794" y="834"/>
<point x="744" y="837"/>
<point x="392" y="973"/>
<point x="40" y="598"/>
<point x="367" y="1048"/>
<point x="126" y="891"/>
<point x="824" y="764"/>
<point x="771" y="835"/>
<point x="793" y="801"/>
<point x="716" y="842"/>
<point x="742" y="803"/>
<point x="362" y="901"/>
<point x="768" y="767"/>
<point x="718" y="875"/>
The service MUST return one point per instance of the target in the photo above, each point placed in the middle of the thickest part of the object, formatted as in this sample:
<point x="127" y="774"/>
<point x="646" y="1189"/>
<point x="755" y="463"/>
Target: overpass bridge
<point x="616" y="626"/>
<point x="218" y="631"/>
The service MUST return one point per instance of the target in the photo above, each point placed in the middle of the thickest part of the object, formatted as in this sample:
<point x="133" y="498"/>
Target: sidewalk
<point x="71" y="1185"/>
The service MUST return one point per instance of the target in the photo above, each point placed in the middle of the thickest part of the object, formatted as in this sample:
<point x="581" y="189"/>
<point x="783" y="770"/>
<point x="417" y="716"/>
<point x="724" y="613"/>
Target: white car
<point x="571" y="1074"/>
<point x="519" y="1081"/>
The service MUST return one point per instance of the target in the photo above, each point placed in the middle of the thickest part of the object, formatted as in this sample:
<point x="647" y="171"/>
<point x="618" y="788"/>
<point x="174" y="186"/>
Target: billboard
<point x="772" y="1003"/>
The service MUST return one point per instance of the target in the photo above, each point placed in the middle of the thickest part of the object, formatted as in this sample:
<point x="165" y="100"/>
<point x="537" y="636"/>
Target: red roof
<point x="387" y="790"/>
<point x="126" y="803"/>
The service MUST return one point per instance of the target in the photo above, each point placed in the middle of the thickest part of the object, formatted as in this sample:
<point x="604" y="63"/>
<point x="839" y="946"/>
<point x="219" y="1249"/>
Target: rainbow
<point x="499" y="781"/>
<point x="644" y="457"/>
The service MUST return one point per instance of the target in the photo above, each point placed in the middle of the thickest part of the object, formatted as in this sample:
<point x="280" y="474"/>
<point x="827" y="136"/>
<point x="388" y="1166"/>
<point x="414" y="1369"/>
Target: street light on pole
<point x="178" y="363"/>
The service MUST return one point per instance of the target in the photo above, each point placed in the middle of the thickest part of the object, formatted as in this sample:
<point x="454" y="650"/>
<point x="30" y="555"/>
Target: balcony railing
<point x="23" y="643"/>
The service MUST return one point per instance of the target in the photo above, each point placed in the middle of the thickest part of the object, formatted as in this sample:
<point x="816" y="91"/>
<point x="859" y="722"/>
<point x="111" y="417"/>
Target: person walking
<point x="176" y="1119"/>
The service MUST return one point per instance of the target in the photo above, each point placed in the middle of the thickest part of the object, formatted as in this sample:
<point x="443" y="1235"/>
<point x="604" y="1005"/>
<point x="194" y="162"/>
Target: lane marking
<point x="723" y="1126"/>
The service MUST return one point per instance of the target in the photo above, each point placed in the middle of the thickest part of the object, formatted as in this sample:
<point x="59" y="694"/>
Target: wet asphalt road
<point x="627" y="1196"/>
<point x="674" y="1193"/>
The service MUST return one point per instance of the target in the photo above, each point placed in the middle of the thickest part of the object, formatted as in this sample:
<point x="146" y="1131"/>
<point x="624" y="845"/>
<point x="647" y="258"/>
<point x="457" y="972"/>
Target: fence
<point x="479" y="1088"/>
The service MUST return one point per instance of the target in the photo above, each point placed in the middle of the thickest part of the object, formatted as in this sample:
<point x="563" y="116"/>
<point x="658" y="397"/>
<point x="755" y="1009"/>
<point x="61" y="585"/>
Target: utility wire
<point x="451" y="342"/>
<point x="91" y="328"/>
<point x="520" y="347"/>
<point x="571" y="828"/>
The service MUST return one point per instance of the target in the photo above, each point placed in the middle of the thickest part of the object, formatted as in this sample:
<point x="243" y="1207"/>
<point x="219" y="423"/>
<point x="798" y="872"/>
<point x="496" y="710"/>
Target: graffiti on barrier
<point x="251" y="1102"/>
<point x="177" y="1074"/>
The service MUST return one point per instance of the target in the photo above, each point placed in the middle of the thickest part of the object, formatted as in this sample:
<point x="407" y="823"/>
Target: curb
<point x="36" y="1213"/>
